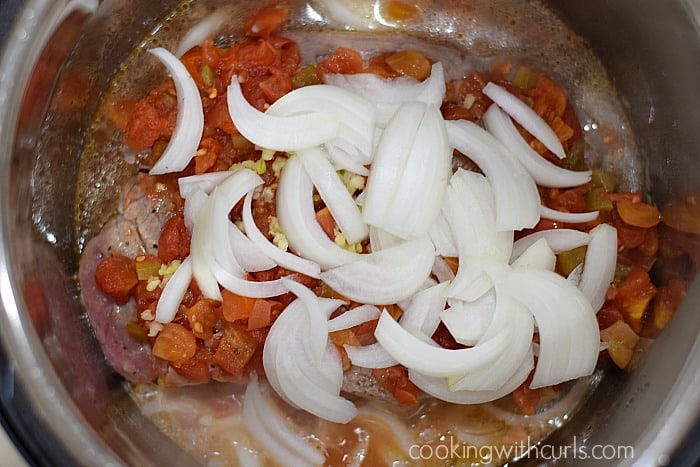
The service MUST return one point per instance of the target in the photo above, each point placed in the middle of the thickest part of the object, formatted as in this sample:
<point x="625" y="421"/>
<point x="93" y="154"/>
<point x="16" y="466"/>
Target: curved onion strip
<point x="200" y="252"/>
<point x="414" y="353"/>
<point x="355" y="113"/>
<point x="423" y="312"/>
<point x="471" y="214"/>
<point x="297" y="219"/>
<point x="527" y="117"/>
<point x="193" y="204"/>
<point x="442" y="271"/>
<point x="510" y="315"/>
<point x="420" y="189"/>
<point x="247" y="288"/>
<point x="190" y="117"/>
<point x="568" y="217"/>
<point x="278" y="440"/>
<point x="173" y="292"/>
<point x="515" y="192"/>
<point x="205" y="182"/>
<point x="558" y="239"/>
<point x="538" y="255"/>
<point x="442" y="238"/>
<point x="282" y="258"/>
<point x="334" y="194"/>
<point x="542" y="171"/>
<point x="599" y="264"/>
<point x="389" y="94"/>
<point x="380" y="239"/>
<point x="344" y="160"/>
<point x="437" y="387"/>
<point x="205" y="29"/>
<point x="354" y="317"/>
<point x="275" y="132"/>
<point x="567" y="325"/>
<point x="318" y="321"/>
<point x="473" y="278"/>
<point x="247" y="253"/>
<point x="309" y="396"/>
<point x="575" y="275"/>
<point x="369" y="356"/>
<point x="385" y="276"/>
<point x="468" y="321"/>
<point x="390" y="158"/>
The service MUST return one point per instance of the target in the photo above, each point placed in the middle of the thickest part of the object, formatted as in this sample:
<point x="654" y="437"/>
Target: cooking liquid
<point x="207" y="421"/>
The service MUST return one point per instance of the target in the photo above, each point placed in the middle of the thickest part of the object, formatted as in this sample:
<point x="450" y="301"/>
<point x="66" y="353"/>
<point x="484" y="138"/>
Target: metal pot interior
<point x="59" y="59"/>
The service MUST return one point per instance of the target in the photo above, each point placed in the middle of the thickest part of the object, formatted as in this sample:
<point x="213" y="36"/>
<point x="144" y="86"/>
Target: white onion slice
<point x="389" y="161"/>
<point x="559" y="240"/>
<point x="510" y="315"/>
<point x="200" y="252"/>
<point x="173" y="292"/>
<point x="471" y="213"/>
<point x="515" y="192"/>
<point x="334" y="194"/>
<point x="468" y="321"/>
<point x="414" y="353"/>
<point x="205" y="29"/>
<point x="355" y="113"/>
<point x="283" y="258"/>
<point x="380" y="239"/>
<point x="389" y="94"/>
<point x="189" y="126"/>
<point x="297" y="219"/>
<point x="354" y="317"/>
<point x="599" y="264"/>
<point x="369" y="356"/>
<point x="437" y="387"/>
<point x="568" y="217"/>
<point x="538" y="255"/>
<point x="566" y="323"/>
<point x="420" y="190"/>
<point x="245" y="287"/>
<point x="441" y="235"/>
<point x="423" y="312"/>
<point x="442" y="271"/>
<point x="278" y="440"/>
<point x="527" y="117"/>
<point x="279" y="133"/>
<point x="318" y="321"/>
<point x="542" y="171"/>
<point x="385" y="276"/>
<point x="205" y="182"/>
<point x="247" y="253"/>
<point x="193" y="204"/>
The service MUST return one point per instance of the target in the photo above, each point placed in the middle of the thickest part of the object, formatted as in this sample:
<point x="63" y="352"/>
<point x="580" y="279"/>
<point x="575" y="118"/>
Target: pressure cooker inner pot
<point x="630" y="69"/>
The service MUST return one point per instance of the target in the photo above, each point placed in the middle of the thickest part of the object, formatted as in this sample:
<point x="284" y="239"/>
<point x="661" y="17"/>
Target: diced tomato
<point x="202" y="318"/>
<point x="235" y="349"/>
<point x="174" y="240"/>
<point x="621" y="341"/>
<point x="633" y="295"/>
<point x="261" y="314"/>
<point x="666" y="302"/>
<point x="144" y="127"/>
<point x="343" y="60"/>
<point x="409" y="63"/>
<point x="395" y="380"/>
<point x="276" y="86"/>
<point x="116" y="276"/>
<point x="175" y="343"/>
<point x="236" y="307"/>
<point x="197" y="367"/>
<point x="326" y="221"/>
<point x="527" y="399"/>
<point x="608" y="315"/>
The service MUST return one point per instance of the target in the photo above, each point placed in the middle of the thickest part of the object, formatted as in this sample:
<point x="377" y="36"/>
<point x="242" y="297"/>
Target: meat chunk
<point x="130" y="358"/>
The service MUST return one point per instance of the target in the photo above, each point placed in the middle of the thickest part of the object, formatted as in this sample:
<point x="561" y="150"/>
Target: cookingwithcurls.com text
<point x="456" y="450"/>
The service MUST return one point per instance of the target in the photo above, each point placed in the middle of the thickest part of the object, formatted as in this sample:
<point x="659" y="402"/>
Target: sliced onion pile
<point x="415" y="213"/>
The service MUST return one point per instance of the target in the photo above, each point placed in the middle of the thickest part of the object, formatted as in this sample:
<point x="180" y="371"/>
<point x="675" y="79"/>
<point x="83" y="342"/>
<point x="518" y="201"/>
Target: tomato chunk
<point x="116" y="276"/>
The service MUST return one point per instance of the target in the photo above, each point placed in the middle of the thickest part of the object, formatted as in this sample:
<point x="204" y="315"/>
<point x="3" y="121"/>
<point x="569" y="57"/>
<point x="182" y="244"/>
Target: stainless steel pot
<point x="64" y="407"/>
